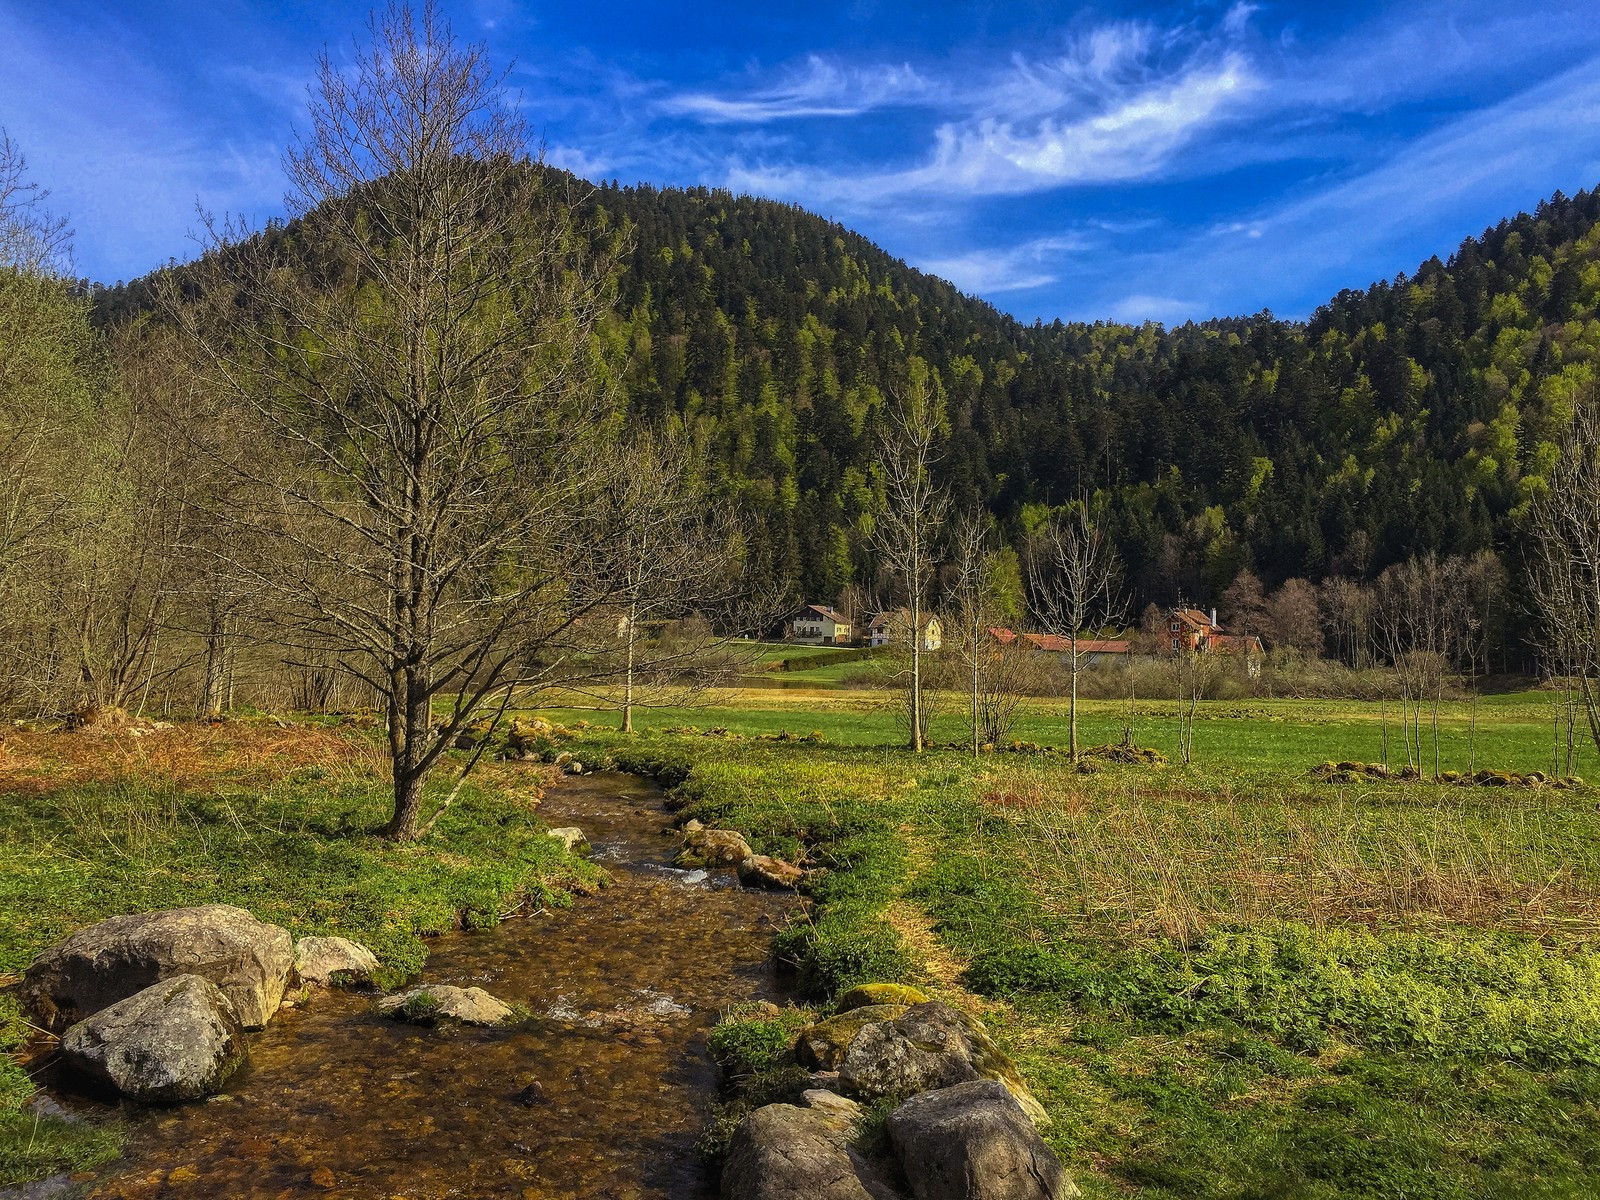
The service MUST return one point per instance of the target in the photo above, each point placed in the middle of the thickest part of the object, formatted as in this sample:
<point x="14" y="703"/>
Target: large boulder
<point x="442" y="1001"/>
<point x="973" y="1142"/>
<point x="928" y="1046"/>
<point x="785" y="1152"/>
<point x="249" y="960"/>
<point x="333" y="961"/>
<point x="175" y="1040"/>
<point x="764" y="871"/>
<point x="704" y="847"/>
<point x="822" y="1046"/>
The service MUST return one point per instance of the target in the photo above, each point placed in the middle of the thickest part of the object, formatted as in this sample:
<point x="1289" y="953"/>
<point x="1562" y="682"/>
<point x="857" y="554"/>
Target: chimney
<point x="1213" y="618"/>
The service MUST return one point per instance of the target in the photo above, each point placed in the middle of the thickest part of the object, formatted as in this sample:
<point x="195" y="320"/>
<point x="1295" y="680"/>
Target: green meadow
<point x="1223" y="979"/>
<point x="1231" y="978"/>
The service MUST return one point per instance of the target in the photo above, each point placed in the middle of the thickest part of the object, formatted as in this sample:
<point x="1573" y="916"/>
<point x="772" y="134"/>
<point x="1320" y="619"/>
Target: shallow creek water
<point x="337" y="1101"/>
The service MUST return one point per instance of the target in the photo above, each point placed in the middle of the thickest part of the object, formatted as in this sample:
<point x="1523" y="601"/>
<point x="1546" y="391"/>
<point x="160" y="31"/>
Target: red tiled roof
<point x="1056" y="644"/>
<point x="1196" y="618"/>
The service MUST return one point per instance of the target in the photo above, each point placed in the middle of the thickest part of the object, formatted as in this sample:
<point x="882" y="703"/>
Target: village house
<point x="819" y="625"/>
<point x="891" y="627"/>
<point x="1193" y="630"/>
<point x="1091" y="651"/>
<point x="1189" y="629"/>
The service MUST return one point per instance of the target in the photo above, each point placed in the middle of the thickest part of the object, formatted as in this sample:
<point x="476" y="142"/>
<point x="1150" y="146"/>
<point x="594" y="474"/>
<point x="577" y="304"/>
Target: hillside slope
<point x="1413" y="416"/>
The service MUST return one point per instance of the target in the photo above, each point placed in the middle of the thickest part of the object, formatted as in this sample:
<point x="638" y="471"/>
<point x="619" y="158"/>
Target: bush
<point x="750" y="1045"/>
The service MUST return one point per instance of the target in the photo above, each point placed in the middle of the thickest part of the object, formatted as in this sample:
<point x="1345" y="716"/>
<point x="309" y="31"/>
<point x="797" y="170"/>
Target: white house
<point x="892" y="627"/>
<point x="819" y="624"/>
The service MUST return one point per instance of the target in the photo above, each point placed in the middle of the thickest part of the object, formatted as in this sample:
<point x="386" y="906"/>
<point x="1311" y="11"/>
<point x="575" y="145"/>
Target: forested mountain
<point x="1413" y="416"/>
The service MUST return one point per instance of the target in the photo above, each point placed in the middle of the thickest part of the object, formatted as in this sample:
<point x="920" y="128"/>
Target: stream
<point x="600" y="1097"/>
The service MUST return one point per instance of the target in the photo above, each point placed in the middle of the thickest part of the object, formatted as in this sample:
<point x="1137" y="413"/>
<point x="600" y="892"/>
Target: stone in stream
<point x="248" y="959"/>
<point x="928" y="1046"/>
<point x="760" y="870"/>
<point x="572" y="839"/>
<point x="822" y="1047"/>
<point x="973" y="1142"/>
<point x="533" y="1095"/>
<point x="175" y="1040"/>
<point x="784" y="1152"/>
<point x="442" y="1001"/>
<point x="704" y="847"/>
<point x="333" y="961"/>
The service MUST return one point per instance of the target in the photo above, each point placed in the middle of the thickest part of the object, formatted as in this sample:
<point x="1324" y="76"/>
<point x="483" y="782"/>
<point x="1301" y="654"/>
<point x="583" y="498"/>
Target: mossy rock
<point x="866" y="994"/>
<point x="822" y="1046"/>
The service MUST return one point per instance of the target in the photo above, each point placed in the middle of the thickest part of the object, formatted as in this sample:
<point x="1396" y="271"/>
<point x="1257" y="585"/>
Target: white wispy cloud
<point x="1465" y="175"/>
<point x="1116" y="105"/>
<point x="1144" y="306"/>
<point x="1431" y="50"/>
<point x="130" y="175"/>
<point x="820" y="88"/>
<point x="989" y="272"/>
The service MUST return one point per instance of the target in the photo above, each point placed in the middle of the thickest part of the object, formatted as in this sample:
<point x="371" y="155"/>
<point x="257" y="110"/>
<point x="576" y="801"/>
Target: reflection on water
<point x="600" y="1096"/>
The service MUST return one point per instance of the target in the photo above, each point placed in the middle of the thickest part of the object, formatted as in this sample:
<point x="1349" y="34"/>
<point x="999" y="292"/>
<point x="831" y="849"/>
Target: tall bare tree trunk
<point x="1072" y="706"/>
<point x="627" y="682"/>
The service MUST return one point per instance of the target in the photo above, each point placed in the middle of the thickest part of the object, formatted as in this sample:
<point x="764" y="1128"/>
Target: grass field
<point x="1227" y="979"/>
<point x="1511" y="732"/>
<point x="1224" y="979"/>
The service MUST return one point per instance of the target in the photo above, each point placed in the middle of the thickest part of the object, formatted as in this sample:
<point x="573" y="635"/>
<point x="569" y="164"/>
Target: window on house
<point x="1174" y="644"/>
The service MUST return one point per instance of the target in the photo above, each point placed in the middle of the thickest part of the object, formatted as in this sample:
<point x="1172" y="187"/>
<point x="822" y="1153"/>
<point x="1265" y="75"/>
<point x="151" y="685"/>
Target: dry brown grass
<point x="1136" y="862"/>
<point x="191" y="755"/>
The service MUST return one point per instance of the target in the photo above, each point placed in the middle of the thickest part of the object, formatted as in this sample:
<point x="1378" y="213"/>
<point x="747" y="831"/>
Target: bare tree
<point x="1075" y="576"/>
<point x="1194" y="670"/>
<point x="416" y="353"/>
<point x="33" y="241"/>
<point x="914" y="510"/>
<point x="1346" y="607"/>
<point x="1244" y="606"/>
<point x="1564" y="554"/>
<point x="999" y="669"/>
<point x="1294" y="617"/>
<point x="1419" y="619"/>
<point x="52" y="383"/>
<point x="662" y="549"/>
<point x="970" y="551"/>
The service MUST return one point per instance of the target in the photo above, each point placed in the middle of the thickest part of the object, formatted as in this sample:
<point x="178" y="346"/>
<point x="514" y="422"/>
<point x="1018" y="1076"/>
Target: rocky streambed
<point x="599" y="1093"/>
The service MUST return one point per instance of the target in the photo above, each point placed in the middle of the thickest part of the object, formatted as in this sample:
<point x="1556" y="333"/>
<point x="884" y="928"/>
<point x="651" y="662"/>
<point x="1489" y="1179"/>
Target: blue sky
<point x="1110" y="161"/>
